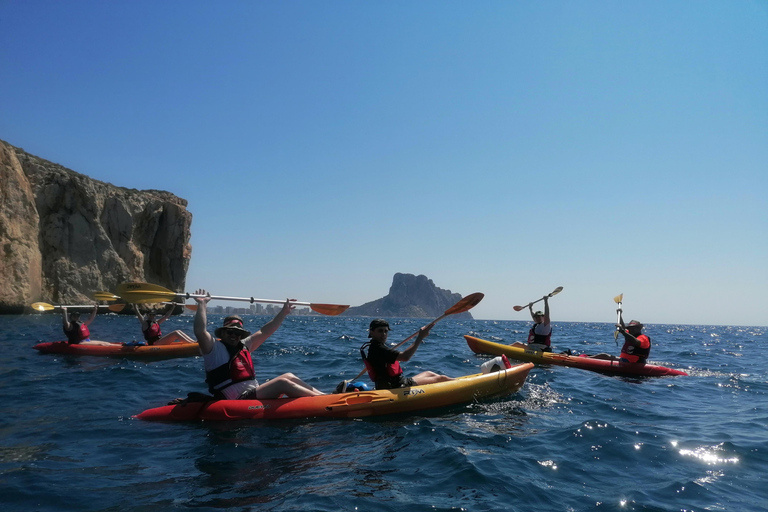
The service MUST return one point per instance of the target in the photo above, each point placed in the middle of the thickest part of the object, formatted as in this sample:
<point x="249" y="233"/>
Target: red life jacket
<point x="635" y="354"/>
<point x="238" y="369"/>
<point x="77" y="333"/>
<point x="152" y="334"/>
<point x="392" y="370"/>
<point x="544" y="339"/>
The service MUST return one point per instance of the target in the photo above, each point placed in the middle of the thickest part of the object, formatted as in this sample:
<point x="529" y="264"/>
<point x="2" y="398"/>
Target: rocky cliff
<point x="410" y="296"/>
<point x="64" y="235"/>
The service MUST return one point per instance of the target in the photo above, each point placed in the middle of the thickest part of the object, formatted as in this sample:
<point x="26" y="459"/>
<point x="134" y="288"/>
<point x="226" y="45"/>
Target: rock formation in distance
<point x="411" y="296"/>
<point x="64" y="235"/>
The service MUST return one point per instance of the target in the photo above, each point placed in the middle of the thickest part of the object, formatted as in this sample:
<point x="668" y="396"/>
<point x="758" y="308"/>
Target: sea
<point x="569" y="440"/>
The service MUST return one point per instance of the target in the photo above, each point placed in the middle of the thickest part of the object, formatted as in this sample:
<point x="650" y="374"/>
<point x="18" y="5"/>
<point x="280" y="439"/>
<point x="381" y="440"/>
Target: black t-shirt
<point x="380" y="356"/>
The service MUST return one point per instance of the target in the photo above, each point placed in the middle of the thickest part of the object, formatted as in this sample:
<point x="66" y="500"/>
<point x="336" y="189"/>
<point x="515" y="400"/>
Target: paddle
<point x="554" y="292"/>
<point x="106" y="296"/>
<point x="465" y="304"/>
<point x="141" y="293"/>
<point x="617" y="299"/>
<point x="44" y="306"/>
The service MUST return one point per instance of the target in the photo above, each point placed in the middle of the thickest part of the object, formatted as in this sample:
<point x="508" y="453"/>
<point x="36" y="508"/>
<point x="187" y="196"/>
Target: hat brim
<point x="218" y="332"/>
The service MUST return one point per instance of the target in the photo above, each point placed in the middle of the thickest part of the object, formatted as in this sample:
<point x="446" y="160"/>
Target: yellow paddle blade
<point x="328" y="309"/>
<point x="116" y="307"/>
<point x="124" y="288"/>
<point x="42" y="306"/>
<point x="617" y="299"/>
<point x="145" y="297"/>
<point x="465" y="304"/>
<point x="107" y="296"/>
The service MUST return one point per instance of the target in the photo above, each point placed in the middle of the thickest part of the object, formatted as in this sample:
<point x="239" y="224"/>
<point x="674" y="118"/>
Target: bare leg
<point x="96" y="342"/>
<point x="520" y="345"/>
<point x="430" y="378"/>
<point x="286" y="384"/>
<point x="174" y="337"/>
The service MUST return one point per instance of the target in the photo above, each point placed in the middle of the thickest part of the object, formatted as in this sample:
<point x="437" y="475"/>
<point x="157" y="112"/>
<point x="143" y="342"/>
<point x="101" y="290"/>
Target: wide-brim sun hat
<point x="235" y="324"/>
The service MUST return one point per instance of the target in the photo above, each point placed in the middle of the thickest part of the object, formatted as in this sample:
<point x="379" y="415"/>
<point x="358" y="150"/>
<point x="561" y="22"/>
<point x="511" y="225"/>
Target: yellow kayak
<point x="354" y="404"/>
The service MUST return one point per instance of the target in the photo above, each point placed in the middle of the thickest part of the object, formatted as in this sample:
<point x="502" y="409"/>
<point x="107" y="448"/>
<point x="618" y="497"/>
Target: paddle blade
<point x="116" y="307"/>
<point x="465" y="304"/>
<point x="328" y="309"/>
<point x="42" y="306"/>
<point x="107" y="296"/>
<point x="617" y="299"/>
<point x="139" y="297"/>
<point x="556" y="291"/>
<point x="518" y="308"/>
<point x="142" y="288"/>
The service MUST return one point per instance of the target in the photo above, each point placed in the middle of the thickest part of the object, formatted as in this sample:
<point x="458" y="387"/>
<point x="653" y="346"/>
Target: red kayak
<point x="178" y="348"/>
<point x="583" y="362"/>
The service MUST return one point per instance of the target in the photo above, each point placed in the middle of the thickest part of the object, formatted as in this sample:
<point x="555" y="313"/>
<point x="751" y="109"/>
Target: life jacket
<point x="392" y="370"/>
<point x="77" y="333"/>
<point x="635" y="354"/>
<point x="238" y="369"/>
<point x="544" y="339"/>
<point x="152" y="334"/>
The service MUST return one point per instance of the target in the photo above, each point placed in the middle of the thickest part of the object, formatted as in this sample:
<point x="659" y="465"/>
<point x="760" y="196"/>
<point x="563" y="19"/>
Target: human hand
<point x="288" y="307"/>
<point x="202" y="300"/>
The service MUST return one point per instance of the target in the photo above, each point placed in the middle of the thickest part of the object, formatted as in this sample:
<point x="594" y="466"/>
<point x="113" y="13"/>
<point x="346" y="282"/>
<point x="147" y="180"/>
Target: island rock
<point x="410" y="296"/>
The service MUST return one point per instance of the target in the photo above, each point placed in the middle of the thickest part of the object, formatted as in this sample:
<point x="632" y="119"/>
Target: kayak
<point x="177" y="348"/>
<point x="355" y="404"/>
<point x="583" y="362"/>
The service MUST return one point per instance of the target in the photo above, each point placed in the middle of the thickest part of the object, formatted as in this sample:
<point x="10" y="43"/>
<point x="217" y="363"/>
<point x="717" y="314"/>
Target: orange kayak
<point x="354" y="404"/>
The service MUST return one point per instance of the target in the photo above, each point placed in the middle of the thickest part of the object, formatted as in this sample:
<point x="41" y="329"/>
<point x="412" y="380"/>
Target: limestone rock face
<point x="65" y="235"/>
<point x="410" y="296"/>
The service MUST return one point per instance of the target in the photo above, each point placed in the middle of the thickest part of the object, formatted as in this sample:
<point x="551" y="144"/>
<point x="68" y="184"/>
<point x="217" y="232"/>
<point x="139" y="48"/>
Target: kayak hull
<point x="175" y="349"/>
<point x="480" y="346"/>
<point x="356" y="404"/>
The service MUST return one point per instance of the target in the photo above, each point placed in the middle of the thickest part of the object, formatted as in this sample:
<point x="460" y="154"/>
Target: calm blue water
<point x="570" y="440"/>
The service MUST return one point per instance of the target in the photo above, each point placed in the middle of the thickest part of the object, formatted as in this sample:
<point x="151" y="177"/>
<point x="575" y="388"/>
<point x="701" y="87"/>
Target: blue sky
<point x="499" y="146"/>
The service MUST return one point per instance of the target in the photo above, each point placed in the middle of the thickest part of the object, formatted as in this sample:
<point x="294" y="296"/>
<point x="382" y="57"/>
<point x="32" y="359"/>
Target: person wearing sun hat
<point x="637" y="346"/>
<point x="228" y="364"/>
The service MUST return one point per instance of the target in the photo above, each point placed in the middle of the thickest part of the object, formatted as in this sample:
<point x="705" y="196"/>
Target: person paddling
<point x="540" y="334"/>
<point x="383" y="362"/>
<point x="150" y="327"/>
<point x="228" y="365"/>
<point x="637" y="346"/>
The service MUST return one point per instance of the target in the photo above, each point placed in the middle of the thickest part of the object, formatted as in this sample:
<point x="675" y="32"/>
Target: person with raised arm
<point x="383" y="362"/>
<point x="228" y="365"/>
<point x="150" y="327"/>
<point x="77" y="332"/>
<point x="540" y="334"/>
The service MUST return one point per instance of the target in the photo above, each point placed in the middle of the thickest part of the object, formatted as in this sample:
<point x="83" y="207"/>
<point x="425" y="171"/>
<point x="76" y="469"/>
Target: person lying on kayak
<point x="228" y="365"/>
<point x="383" y="362"/>
<point x="150" y="327"/>
<point x="637" y="346"/>
<point x="540" y="335"/>
<point x="77" y="332"/>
